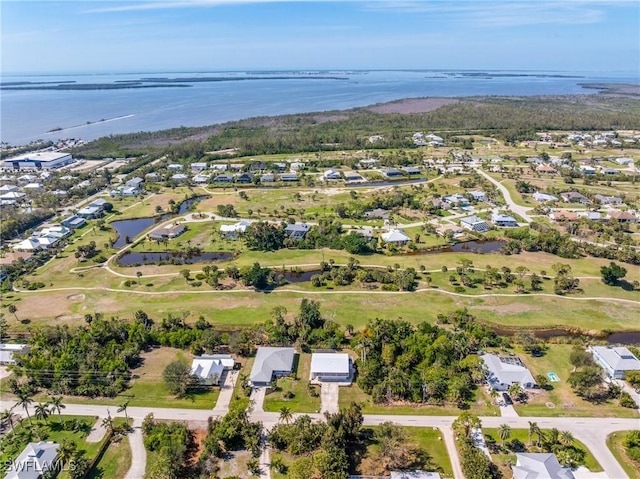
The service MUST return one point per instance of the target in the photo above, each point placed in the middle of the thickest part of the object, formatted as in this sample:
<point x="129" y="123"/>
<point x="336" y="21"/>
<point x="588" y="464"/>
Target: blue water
<point x="29" y="115"/>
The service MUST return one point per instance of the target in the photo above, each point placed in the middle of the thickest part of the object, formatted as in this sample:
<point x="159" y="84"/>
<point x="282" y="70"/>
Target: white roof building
<point x="234" y="229"/>
<point x="502" y="372"/>
<point x="270" y="362"/>
<point x="7" y="352"/>
<point x="414" y="475"/>
<point x="330" y="367"/>
<point x="539" y="466"/>
<point x="39" y="160"/>
<point x="35" y="460"/>
<point x="395" y="236"/>
<point x="542" y="197"/>
<point x="209" y="368"/>
<point x="615" y="360"/>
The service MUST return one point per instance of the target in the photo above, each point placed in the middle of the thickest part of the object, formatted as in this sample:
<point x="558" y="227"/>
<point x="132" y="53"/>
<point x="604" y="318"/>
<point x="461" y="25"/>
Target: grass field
<point x="503" y="459"/>
<point x="615" y="444"/>
<point x="565" y="401"/>
<point x="115" y="462"/>
<point x="302" y="401"/>
<point x="481" y="406"/>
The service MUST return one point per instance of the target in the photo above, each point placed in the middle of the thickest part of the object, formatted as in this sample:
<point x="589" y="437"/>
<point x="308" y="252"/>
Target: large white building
<point x="330" y="367"/>
<point x="615" y="360"/>
<point x="45" y="160"/>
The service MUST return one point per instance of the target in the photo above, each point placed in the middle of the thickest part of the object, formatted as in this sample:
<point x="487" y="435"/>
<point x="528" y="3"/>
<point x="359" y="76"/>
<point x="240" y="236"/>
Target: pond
<point x="131" y="258"/>
<point x="135" y="226"/>
<point x="630" y="337"/>
<point x="296" y="276"/>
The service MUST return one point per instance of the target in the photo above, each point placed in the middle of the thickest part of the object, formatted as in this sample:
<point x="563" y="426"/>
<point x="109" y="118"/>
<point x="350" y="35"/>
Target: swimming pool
<point x="553" y="377"/>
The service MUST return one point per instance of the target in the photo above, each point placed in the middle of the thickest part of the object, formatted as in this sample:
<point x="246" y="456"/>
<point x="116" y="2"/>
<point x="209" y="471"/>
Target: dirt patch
<point x="199" y="435"/>
<point x="67" y="317"/>
<point x="76" y="297"/>
<point x="210" y="204"/>
<point x="412" y="105"/>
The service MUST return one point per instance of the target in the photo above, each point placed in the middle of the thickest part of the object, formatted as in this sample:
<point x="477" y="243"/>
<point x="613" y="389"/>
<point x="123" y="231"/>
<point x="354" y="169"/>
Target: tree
<point x="42" y="412"/>
<point x="516" y="391"/>
<point x="285" y="415"/>
<point x="56" y="405"/>
<point x="466" y="422"/>
<point x="107" y="422"/>
<point x="67" y="449"/>
<point x="185" y="274"/>
<point x="12" y="309"/>
<point x="504" y="431"/>
<point x="178" y="378"/>
<point x="534" y="430"/>
<point x="7" y="415"/>
<point x="24" y="399"/>
<point x="123" y="408"/>
<point x="565" y="438"/>
<point x="612" y="274"/>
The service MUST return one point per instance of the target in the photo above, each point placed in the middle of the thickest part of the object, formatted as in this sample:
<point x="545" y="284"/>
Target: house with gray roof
<point x="474" y="223"/>
<point x="505" y="221"/>
<point x="34" y="461"/>
<point x="297" y="230"/>
<point x="502" y="372"/>
<point x="616" y="361"/>
<point x="271" y="362"/>
<point x="414" y="475"/>
<point x="539" y="466"/>
<point x="395" y="236"/>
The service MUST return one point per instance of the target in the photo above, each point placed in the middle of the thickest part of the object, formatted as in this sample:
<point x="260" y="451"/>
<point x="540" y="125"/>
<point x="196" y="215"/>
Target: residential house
<point x="26" y="179"/>
<point x="82" y="184"/>
<point x="14" y="196"/>
<point x="289" y="177"/>
<point x="563" y="215"/>
<point x="90" y="212"/>
<point x="539" y="466"/>
<point x="353" y="177"/>
<point x="8" y="352"/>
<point x="395" y="236"/>
<point x="35" y="460"/>
<point x="503" y="371"/>
<point x="624" y="161"/>
<point x="174" y="167"/>
<point x="544" y="197"/>
<point x="434" y="140"/>
<point x="587" y="169"/>
<point x="152" y="176"/>
<point x="456" y="200"/>
<point x="504" y="221"/>
<point x="608" y="200"/>
<point x="478" y="195"/>
<point x="224" y="178"/>
<point x="546" y="169"/>
<point x="201" y="178"/>
<point x="622" y="216"/>
<point x="474" y="223"/>
<point x="32" y="187"/>
<point x="198" y="166"/>
<point x="368" y="163"/>
<point x="590" y="215"/>
<point x="268" y="178"/>
<point x="414" y="475"/>
<point x="279" y="167"/>
<point x="297" y="166"/>
<point x="331" y="174"/>
<point x="366" y="232"/>
<point x="124" y="191"/>
<point x="453" y="230"/>
<point x="330" y="367"/>
<point x="258" y="166"/>
<point x="210" y="368"/>
<point x="574" y="197"/>
<point x="297" y="231"/>
<point x="391" y="173"/>
<point x="232" y="231"/>
<point x="7" y="189"/>
<point x="616" y="361"/>
<point x="219" y="167"/>
<point x="236" y="167"/>
<point x="609" y="171"/>
<point x="377" y="214"/>
<point x="271" y="362"/>
<point x="73" y="222"/>
<point x="168" y="232"/>
<point x="135" y="182"/>
<point x="411" y="170"/>
<point x="179" y="177"/>
<point x="244" y="178"/>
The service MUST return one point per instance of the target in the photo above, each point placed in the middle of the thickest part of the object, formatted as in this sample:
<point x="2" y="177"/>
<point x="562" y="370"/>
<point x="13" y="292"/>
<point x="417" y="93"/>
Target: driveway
<point x="329" y="398"/>
<point x="257" y="396"/>
<point x="508" y="411"/>
<point x="97" y="431"/>
<point x="138" y="452"/>
<point x="4" y="373"/>
<point x="226" y="393"/>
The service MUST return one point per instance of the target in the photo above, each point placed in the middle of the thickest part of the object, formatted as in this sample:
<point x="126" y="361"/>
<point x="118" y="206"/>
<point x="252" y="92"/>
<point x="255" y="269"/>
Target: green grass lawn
<point x="302" y="401"/>
<point x="114" y="462"/>
<point x="615" y="444"/>
<point x="491" y="435"/>
<point x="565" y="401"/>
<point x="481" y="406"/>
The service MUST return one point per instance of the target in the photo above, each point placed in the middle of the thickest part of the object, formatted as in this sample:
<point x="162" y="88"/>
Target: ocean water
<point x="31" y="114"/>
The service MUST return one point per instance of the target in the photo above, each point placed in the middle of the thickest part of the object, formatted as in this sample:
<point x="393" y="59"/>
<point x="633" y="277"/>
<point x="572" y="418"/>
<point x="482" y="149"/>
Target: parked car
<point x="507" y="399"/>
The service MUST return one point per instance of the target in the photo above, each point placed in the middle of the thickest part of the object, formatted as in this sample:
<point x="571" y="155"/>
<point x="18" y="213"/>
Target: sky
<point x="217" y="35"/>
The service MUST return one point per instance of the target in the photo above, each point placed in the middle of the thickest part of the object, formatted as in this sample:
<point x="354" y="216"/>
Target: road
<point x="522" y="211"/>
<point x="592" y="432"/>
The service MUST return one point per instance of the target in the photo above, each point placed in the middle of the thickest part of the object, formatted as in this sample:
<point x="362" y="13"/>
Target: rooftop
<point x="619" y="358"/>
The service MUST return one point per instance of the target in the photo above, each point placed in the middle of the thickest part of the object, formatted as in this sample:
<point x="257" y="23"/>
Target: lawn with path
<point x="298" y="385"/>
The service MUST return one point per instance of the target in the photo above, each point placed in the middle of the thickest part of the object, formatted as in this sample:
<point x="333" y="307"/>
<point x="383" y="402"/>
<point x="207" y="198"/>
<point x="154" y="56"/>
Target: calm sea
<point x="30" y="115"/>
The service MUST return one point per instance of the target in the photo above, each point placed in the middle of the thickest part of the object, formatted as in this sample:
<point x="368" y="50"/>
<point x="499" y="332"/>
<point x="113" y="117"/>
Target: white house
<point x="271" y="362"/>
<point x="505" y="221"/>
<point x="209" y="368"/>
<point x="7" y="352"/>
<point x="616" y="361"/>
<point x="330" y="367"/>
<point x="414" y="475"/>
<point x="168" y="232"/>
<point x="478" y="195"/>
<point x="474" y="223"/>
<point x="297" y="166"/>
<point x="395" y="237"/>
<point x="543" y="197"/>
<point x="502" y="372"/>
<point x="540" y="466"/>
<point x="331" y="175"/>
<point x="34" y="461"/>
<point x="232" y="231"/>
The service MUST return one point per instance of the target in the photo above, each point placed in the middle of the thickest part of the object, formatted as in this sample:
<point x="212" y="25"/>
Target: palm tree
<point x="42" y="412"/>
<point x="7" y="415"/>
<point x="25" y="400"/>
<point x="67" y="449"/>
<point x="12" y="309"/>
<point x="285" y="414"/>
<point x="504" y="431"/>
<point x="123" y="408"/>
<point x="107" y="422"/>
<point x="56" y="405"/>
<point x="533" y="429"/>
<point x="565" y="438"/>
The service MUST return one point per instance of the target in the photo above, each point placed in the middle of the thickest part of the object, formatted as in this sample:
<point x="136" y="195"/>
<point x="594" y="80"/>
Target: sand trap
<point x="76" y="297"/>
<point x="66" y="317"/>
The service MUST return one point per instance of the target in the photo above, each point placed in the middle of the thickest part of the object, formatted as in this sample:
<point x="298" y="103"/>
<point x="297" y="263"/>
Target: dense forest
<point x="507" y="118"/>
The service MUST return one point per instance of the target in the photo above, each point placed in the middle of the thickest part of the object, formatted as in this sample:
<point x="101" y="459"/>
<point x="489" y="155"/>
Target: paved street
<point x="521" y="211"/>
